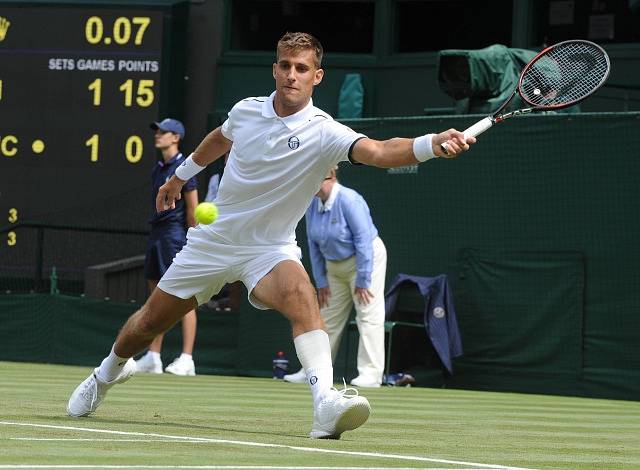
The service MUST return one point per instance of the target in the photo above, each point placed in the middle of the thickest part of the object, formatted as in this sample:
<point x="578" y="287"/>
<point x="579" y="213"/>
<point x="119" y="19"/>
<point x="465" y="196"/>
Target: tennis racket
<point x="558" y="77"/>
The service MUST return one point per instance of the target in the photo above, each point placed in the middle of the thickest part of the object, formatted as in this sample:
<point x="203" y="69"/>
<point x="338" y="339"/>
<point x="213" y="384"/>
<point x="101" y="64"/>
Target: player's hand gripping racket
<point x="558" y="77"/>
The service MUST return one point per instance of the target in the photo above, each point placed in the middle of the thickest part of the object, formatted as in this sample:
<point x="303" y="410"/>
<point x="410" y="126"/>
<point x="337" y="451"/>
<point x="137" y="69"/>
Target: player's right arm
<point x="212" y="147"/>
<point x="401" y="152"/>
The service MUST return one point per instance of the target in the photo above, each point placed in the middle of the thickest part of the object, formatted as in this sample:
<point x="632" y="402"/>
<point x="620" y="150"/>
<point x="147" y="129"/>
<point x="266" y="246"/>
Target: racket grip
<point x="473" y="131"/>
<point x="478" y="128"/>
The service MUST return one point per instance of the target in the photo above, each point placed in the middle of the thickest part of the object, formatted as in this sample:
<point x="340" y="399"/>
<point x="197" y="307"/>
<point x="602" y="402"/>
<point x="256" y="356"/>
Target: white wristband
<point x="422" y="148"/>
<point x="188" y="169"/>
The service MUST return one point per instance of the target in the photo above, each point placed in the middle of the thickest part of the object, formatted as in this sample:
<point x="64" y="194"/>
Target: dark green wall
<point x="405" y="84"/>
<point x="401" y="85"/>
<point x="537" y="228"/>
<point x="531" y="190"/>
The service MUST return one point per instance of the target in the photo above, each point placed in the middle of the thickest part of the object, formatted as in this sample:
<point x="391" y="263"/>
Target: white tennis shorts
<point x="206" y="264"/>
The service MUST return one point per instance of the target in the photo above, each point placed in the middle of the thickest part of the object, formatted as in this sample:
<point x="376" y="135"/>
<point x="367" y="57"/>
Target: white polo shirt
<point x="275" y="167"/>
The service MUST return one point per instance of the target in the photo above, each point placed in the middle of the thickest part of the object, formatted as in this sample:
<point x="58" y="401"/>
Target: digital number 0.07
<point x="122" y="30"/>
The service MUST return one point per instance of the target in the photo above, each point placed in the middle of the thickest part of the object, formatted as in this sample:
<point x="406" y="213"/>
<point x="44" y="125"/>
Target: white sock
<point x="111" y="366"/>
<point x="154" y="355"/>
<point x="186" y="357"/>
<point x="314" y="353"/>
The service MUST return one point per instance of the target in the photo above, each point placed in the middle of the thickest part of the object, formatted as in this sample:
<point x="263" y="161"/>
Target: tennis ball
<point x="206" y="213"/>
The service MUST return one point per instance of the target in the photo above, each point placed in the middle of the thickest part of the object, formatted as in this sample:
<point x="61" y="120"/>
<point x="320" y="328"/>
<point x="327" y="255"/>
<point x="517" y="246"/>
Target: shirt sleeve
<point x="358" y="218"/>
<point x="318" y="263"/>
<point x="190" y="185"/>
<point x="228" y="126"/>
<point x="337" y="141"/>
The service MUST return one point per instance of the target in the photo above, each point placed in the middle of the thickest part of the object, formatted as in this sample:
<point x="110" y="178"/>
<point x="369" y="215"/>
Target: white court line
<point x="262" y="444"/>
<point x="86" y="439"/>
<point x="227" y="467"/>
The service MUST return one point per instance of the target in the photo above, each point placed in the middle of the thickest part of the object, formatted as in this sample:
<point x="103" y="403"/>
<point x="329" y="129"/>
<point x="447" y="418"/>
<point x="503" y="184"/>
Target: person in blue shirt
<point x="168" y="236"/>
<point x="349" y="263"/>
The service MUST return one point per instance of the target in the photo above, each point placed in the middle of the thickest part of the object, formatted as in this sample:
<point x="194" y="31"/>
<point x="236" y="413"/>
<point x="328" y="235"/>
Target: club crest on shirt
<point x="438" y="312"/>
<point x="293" y="142"/>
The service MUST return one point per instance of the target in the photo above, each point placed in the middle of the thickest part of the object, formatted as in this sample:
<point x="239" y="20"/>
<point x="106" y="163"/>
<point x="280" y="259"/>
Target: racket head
<point x="564" y="74"/>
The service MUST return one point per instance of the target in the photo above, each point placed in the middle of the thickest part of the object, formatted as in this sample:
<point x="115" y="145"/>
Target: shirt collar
<point x="174" y="159"/>
<point x="331" y="199"/>
<point x="292" y="121"/>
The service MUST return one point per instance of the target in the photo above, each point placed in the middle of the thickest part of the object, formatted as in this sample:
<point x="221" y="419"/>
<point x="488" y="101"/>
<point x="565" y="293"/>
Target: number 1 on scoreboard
<point x="93" y="142"/>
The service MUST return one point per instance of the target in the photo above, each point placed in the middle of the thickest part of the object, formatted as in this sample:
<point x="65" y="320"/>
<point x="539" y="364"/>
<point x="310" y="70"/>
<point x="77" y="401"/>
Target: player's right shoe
<point x="299" y="377"/>
<point x="87" y="396"/>
<point x="338" y="412"/>
<point x="149" y="365"/>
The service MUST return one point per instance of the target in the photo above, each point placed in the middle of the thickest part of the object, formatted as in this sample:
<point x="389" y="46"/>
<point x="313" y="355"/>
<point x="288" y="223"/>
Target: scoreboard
<point x="80" y="82"/>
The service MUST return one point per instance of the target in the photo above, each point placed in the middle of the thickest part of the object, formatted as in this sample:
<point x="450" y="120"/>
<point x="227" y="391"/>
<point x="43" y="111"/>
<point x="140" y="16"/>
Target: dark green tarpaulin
<point x="480" y="80"/>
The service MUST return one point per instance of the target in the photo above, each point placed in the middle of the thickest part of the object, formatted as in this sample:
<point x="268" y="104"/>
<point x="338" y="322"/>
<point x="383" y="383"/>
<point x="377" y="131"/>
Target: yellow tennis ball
<point x="206" y="213"/>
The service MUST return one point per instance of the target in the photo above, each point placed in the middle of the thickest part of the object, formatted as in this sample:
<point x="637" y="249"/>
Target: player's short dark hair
<point x="296" y="42"/>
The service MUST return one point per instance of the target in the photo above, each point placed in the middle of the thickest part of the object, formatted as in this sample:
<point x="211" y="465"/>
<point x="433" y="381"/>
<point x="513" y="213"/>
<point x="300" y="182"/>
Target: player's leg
<point x="370" y="319"/>
<point x="287" y="288"/>
<point x="159" y="313"/>
<point x="334" y="315"/>
<point x="198" y="272"/>
<point x="151" y="362"/>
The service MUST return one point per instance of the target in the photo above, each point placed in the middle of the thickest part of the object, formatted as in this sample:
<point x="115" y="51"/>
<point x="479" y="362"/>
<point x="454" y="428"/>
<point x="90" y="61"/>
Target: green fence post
<point x="39" y="259"/>
<point x="53" y="282"/>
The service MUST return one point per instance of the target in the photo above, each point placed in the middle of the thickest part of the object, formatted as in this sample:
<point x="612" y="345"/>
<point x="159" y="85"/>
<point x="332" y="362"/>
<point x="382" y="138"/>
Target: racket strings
<point x="565" y="74"/>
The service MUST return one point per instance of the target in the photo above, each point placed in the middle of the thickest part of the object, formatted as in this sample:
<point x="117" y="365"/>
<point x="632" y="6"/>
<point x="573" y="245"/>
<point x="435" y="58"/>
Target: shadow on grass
<point x="87" y="421"/>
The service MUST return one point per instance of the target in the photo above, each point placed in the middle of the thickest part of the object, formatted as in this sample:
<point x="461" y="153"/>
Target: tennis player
<point x="281" y="147"/>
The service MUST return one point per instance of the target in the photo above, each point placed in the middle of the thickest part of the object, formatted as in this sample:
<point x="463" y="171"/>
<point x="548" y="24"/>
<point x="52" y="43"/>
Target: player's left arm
<point x="399" y="151"/>
<point x="212" y="147"/>
<point x="190" y="203"/>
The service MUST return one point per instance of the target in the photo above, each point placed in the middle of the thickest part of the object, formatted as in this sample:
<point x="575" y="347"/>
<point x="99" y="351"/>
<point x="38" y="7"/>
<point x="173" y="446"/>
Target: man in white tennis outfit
<point x="281" y="147"/>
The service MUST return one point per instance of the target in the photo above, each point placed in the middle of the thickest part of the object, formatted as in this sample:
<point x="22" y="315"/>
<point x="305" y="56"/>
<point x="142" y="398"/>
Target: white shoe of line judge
<point x="299" y="377"/>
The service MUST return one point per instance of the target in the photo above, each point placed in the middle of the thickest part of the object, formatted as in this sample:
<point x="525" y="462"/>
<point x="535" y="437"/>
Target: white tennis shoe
<point x="181" y="366"/>
<point x="299" y="377"/>
<point x="339" y="412"/>
<point x="365" y="382"/>
<point x="87" y="396"/>
<point x="149" y="365"/>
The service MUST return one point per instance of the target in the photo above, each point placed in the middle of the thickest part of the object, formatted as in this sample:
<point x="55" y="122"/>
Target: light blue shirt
<point x="339" y="229"/>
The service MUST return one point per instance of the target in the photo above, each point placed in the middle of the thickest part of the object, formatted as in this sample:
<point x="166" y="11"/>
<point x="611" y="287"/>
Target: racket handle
<point x="475" y="130"/>
<point x="479" y="127"/>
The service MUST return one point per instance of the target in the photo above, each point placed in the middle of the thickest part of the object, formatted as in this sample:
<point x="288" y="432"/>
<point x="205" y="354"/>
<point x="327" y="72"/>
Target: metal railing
<point x="40" y="228"/>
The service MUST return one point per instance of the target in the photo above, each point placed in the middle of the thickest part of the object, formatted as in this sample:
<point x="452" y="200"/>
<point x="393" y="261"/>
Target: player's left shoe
<point x="339" y="411"/>
<point x="87" y="396"/>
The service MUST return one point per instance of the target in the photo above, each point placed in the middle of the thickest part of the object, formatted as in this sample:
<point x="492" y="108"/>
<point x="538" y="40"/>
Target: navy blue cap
<point x="169" y="125"/>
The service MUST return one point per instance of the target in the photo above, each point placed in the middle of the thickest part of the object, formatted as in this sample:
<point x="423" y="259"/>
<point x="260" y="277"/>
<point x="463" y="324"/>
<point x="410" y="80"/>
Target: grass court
<point x="219" y="422"/>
